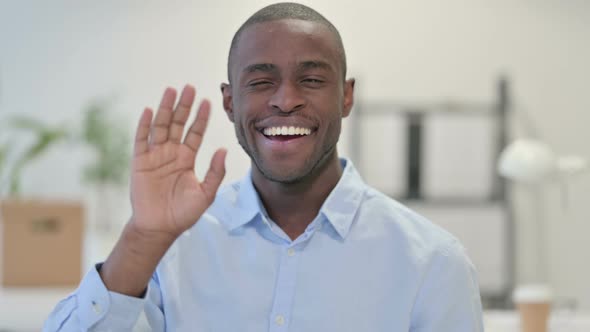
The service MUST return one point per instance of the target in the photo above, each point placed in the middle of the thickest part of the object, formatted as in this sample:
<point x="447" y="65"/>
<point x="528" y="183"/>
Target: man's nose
<point x="287" y="98"/>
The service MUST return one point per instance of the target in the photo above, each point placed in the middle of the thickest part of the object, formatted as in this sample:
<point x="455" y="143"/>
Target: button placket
<point x="280" y="320"/>
<point x="96" y="307"/>
<point x="284" y="290"/>
<point x="291" y="252"/>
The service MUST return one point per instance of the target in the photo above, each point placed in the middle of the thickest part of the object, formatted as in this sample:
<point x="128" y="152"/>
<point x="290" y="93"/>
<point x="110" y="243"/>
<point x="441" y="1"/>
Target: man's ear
<point x="227" y="101"/>
<point x="348" y="96"/>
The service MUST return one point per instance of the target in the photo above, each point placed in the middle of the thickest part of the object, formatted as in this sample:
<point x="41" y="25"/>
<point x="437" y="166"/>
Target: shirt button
<point x="280" y="320"/>
<point x="96" y="307"/>
<point x="291" y="252"/>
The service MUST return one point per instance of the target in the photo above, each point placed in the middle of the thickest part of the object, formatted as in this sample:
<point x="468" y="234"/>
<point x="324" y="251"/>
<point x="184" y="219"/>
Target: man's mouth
<point x="286" y="133"/>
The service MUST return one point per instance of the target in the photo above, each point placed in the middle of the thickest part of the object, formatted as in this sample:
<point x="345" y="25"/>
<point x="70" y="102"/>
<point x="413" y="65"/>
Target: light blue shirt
<point x="365" y="263"/>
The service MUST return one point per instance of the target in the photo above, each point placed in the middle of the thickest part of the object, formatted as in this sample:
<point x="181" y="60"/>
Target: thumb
<point x="215" y="174"/>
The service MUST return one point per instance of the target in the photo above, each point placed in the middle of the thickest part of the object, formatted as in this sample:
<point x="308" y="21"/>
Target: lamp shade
<point x="528" y="161"/>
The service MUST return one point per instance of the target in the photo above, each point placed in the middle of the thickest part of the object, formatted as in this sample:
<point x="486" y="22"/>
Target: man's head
<point x="286" y="10"/>
<point x="287" y="93"/>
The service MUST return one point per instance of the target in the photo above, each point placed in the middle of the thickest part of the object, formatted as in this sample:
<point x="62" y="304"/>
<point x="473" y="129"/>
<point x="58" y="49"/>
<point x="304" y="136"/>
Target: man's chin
<point x="280" y="176"/>
<point x="285" y="173"/>
<point x="291" y="170"/>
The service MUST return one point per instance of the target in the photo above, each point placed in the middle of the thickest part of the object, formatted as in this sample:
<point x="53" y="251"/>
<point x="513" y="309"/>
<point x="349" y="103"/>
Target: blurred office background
<point x="58" y="59"/>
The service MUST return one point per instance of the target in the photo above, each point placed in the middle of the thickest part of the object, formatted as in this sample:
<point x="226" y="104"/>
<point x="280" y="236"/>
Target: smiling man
<point x="287" y="96"/>
<point x="299" y="244"/>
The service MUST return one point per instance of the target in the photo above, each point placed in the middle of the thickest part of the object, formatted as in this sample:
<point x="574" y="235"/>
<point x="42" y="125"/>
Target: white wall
<point x="55" y="56"/>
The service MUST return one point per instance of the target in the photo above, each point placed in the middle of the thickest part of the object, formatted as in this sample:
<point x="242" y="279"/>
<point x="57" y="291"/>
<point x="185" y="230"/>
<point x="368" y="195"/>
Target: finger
<point x="187" y="97"/>
<point x="215" y="174"/>
<point x="143" y="131"/>
<point x="194" y="137"/>
<point x="161" y="124"/>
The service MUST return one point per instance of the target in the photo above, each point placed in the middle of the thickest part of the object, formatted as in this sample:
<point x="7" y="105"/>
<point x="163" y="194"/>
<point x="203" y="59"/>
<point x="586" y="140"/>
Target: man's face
<point x="287" y="97"/>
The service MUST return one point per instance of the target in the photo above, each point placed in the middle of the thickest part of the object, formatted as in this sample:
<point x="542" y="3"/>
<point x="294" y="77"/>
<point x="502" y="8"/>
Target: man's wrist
<point x="135" y="234"/>
<point x="132" y="262"/>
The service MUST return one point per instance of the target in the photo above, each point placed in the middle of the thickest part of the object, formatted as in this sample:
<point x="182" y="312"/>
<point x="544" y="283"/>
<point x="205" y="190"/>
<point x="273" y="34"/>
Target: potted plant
<point x="41" y="238"/>
<point x="45" y="231"/>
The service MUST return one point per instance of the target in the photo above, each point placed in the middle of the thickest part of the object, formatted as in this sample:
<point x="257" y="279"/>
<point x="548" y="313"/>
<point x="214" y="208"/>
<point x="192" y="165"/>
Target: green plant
<point x="3" y="154"/>
<point x="106" y="138"/>
<point x="45" y="137"/>
<point x="4" y="150"/>
<point x="110" y="144"/>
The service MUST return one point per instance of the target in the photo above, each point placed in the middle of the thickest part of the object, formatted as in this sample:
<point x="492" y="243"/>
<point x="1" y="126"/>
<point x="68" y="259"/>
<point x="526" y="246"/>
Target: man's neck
<point x="294" y="206"/>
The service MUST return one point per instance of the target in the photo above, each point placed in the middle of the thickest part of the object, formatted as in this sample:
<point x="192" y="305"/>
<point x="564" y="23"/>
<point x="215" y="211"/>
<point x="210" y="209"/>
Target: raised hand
<point x="166" y="195"/>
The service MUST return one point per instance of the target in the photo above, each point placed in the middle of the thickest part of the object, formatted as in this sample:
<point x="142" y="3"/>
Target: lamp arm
<point x="571" y="165"/>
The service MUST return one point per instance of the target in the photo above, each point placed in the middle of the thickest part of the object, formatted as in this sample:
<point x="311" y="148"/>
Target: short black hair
<point x="286" y="10"/>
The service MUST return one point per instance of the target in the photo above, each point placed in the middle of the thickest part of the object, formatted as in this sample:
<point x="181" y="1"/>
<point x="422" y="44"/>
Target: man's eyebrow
<point x="262" y="67"/>
<point x="306" y="65"/>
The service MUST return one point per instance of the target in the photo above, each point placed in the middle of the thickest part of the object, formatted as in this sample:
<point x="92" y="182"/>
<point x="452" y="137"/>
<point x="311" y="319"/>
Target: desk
<point x="507" y="321"/>
<point x="25" y="309"/>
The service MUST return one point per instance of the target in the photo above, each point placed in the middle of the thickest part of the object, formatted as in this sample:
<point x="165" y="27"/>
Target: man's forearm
<point x="134" y="259"/>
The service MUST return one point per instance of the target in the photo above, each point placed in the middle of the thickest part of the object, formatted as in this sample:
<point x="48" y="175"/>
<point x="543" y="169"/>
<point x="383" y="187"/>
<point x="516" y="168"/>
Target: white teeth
<point x="284" y="130"/>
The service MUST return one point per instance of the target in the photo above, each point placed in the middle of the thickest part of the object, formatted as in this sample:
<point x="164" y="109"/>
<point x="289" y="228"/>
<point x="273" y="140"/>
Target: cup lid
<point x="532" y="293"/>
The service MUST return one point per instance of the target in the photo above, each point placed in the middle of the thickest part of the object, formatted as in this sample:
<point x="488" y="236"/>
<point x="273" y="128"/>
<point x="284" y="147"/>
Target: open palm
<point x="166" y="195"/>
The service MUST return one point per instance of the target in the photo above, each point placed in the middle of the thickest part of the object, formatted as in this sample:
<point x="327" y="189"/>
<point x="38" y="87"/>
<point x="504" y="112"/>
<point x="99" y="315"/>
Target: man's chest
<point x="282" y="288"/>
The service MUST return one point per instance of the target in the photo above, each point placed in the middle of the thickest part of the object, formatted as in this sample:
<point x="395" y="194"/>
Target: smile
<point x="286" y="131"/>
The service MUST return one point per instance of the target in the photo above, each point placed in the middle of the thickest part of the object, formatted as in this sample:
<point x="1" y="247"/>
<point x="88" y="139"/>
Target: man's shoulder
<point x="403" y="224"/>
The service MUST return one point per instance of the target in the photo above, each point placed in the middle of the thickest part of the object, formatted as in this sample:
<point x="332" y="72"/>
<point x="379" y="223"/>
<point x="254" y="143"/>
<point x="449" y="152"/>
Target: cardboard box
<point x="41" y="242"/>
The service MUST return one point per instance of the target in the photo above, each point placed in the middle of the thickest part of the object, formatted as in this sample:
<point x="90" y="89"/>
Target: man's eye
<point x="312" y="82"/>
<point x="259" y="84"/>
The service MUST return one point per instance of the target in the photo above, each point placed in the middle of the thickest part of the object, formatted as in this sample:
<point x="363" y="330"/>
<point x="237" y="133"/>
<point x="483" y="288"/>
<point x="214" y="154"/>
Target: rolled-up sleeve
<point x="92" y="307"/>
<point x="448" y="299"/>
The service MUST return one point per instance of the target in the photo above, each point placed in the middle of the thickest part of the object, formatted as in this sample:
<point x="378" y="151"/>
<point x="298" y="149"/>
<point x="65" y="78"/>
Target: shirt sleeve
<point x="449" y="298"/>
<point x="92" y="307"/>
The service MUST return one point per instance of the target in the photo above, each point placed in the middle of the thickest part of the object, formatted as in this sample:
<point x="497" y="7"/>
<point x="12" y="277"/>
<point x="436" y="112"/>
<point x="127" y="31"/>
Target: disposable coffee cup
<point x="534" y="306"/>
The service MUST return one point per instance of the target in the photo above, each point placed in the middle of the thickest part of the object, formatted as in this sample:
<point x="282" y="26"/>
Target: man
<point x="301" y="243"/>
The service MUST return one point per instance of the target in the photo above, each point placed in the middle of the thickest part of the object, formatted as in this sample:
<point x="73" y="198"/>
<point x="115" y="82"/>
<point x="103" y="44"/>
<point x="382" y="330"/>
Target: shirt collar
<point x="247" y="204"/>
<point x="341" y="206"/>
<point x="339" y="209"/>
